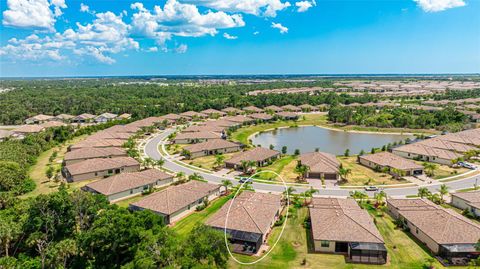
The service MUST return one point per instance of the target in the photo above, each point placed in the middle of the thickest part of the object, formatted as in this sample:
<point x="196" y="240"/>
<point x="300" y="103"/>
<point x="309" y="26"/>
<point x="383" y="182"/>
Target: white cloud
<point x="37" y="14"/>
<point x="256" y="33"/>
<point x="181" y="49"/>
<point x="152" y="49"/>
<point x="84" y="8"/>
<point x="303" y="6"/>
<point x="228" y="36"/>
<point x="283" y="29"/>
<point x="267" y="8"/>
<point x="439" y="5"/>
<point x="106" y="35"/>
<point x="178" y="19"/>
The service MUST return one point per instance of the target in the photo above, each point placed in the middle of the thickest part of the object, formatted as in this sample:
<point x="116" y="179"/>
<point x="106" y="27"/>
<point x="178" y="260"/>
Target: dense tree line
<point x="446" y="119"/>
<point x="97" y="96"/>
<point x="18" y="155"/>
<point x="82" y="230"/>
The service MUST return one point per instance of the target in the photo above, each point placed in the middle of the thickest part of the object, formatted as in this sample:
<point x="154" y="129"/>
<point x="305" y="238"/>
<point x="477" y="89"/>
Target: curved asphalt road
<point x="151" y="150"/>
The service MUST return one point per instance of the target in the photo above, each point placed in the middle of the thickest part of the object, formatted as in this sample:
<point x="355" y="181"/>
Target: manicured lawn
<point x="444" y="171"/>
<point x="361" y="174"/>
<point x="184" y="226"/>
<point x="37" y="171"/>
<point x="404" y="253"/>
<point x="206" y="162"/>
<point x="279" y="166"/>
<point x="175" y="148"/>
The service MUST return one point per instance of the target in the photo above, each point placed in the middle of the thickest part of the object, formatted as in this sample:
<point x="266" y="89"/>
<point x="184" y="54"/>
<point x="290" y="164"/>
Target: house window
<point x="416" y="230"/>
<point x="131" y="191"/>
<point x="325" y="244"/>
<point x="110" y="171"/>
<point x="96" y="174"/>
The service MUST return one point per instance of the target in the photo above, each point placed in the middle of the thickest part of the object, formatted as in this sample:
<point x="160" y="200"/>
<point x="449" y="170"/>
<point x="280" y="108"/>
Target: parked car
<point x="467" y="165"/>
<point x="245" y="179"/>
<point x="371" y="188"/>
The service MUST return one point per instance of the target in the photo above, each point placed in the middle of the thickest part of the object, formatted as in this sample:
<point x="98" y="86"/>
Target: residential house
<point x="204" y="128"/>
<point x="4" y="134"/>
<point x="468" y="137"/>
<point x="446" y="233"/>
<point x="426" y="153"/>
<point x="232" y="111"/>
<point x="99" y="167"/>
<point x="195" y="137"/>
<point x="308" y="108"/>
<point x="340" y="226"/>
<point x="213" y="113"/>
<point x="273" y="109"/>
<point x="126" y="185"/>
<point x="393" y="163"/>
<point x="66" y="118"/>
<point x="176" y="202"/>
<point x="38" y="119"/>
<point x="83" y="118"/>
<point x="193" y="115"/>
<point x="97" y="143"/>
<point x="25" y="130"/>
<point x="320" y="165"/>
<point x="291" y="108"/>
<point x="447" y="145"/>
<point x="83" y="154"/>
<point x="212" y="147"/>
<point x="469" y="201"/>
<point x="260" y="156"/>
<point x="124" y="116"/>
<point x="249" y="219"/>
<point x="252" y="109"/>
<point x="52" y="124"/>
<point x="287" y="115"/>
<point x="262" y="117"/>
<point x="105" y="117"/>
<point x="239" y="119"/>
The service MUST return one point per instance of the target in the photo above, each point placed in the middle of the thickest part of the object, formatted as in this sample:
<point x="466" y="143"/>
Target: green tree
<point x="443" y="191"/>
<point x="284" y="150"/>
<point x="423" y="192"/>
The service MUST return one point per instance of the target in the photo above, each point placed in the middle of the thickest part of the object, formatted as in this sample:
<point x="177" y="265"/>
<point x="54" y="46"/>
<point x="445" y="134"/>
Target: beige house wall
<point x="422" y="157"/>
<point x="67" y="162"/>
<point x="421" y="236"/>
<point x="214" y="152"/>
<point x="459" y="202"/>
<point x="318" y="247"/>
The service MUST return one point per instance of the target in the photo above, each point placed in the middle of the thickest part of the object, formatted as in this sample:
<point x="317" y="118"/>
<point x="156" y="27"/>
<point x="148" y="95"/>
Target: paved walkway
<point x="151" y="150"/>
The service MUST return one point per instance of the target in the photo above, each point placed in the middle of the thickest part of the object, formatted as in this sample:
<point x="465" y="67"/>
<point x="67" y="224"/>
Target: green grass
<point x="467" y="190"/>
<point x="277" y="166"/>
<point x="185" y="226"/>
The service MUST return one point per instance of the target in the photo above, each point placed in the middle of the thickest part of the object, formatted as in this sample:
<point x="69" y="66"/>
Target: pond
<point x="307" y="138"/>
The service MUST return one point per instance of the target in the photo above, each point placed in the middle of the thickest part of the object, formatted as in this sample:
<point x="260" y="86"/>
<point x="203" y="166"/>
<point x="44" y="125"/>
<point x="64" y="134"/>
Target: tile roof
<point x="204" y="128"/>
<point x="252" y="109"/>
<point x="261" y="116"/>
<point x="197" y="135"/>
<point x="150" y="121"/>
<point x="41" y="117"/>
<point x="98" y="143"/>
<point x="420" y="149"/>
<point x="84" y="116"/>
<point x="211" y="111"/>
<point x="342" y="221"/>
<point x="443" y="226"/>
<point x="470" y="197"/>
<point x="90" y="153"/>
<point x="174" y="198"/>
<point x="445" y="144"/>
<point x="287" y="114"/>
<point x="64" y="116"/>
<point x="171" y="116"/>
<point x="123" y="129"/>
<point x="126" y="181"/>
<point x="238" y="119"/>
<point x="51" y="124"/>
<point x="251" y="212"/>
<point x="320" y="162"/>
<point x="470" y="137"/>
<point x="29" y="129"/>
<point x="256" y="154"/>
<point x="221" y="123"/>
<point x="211" y="145"/>
<point x="107" y="115"/>
<point x="412" y="204"/>
<point x="100" y="164"/>
<point x="273" y="108"/>
<point x="291" y="108"/>
<point x="391" y="160"/>
<point x="192" y="114"/>
<point x="232" y="109"/>
<point x="307" y="106"/>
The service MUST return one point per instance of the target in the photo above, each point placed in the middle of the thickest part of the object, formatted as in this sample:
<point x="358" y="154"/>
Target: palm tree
<point x="219" y="159"/>
<point x="443" y="191"/>
<point x="160" y="162"/>
<point x="148" y="162"/>
<point x="309" y="193"/>
<point x="227" y="184"/>
<point x="289" y="191"/>
<point x="302" y="171"/>
<point x="344" y="172"/>
<point x="181" y="175"/>
<point x="358" y="195"/>
<point x="430" y="168"/>
<point x="423" y="192"/>
<point x="379" y="196"/>
<point x="246" y="165"/>
<point x="195" y="176"/>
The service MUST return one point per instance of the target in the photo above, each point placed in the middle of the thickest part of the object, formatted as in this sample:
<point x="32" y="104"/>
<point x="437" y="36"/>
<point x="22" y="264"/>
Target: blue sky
<point x="175" y="37"/>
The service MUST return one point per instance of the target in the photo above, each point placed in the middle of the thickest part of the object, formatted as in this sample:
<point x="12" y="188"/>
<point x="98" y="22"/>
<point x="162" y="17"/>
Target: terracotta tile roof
<point x="29" y="129"/>
<point x="273" y="108"/>
<point x="412" y="204"/>
<point x="123" y="129"/>
<point x="261" y="116"/>
<point x="150" y="121"/>
<point x="124" y="116"/>
<point x="100" y="164"/>
<point x="255" y="154"/>
<point x="252" y="109"/>
<point x="41" y="117"/>
<point x="204" y="128"/>
<point x="64" y="116"/>
<point x="420" y="149"/>
<point x="107" y="115"/>
<point x="171" y="116"/>
<point x="231" y="110"/>
<point x="470" y="137"/>
<point x="197" y="135"/>
<point x="343" y="221"/>
<point x="238" y="119"/>
<point x="307" y="106"/>
<point x="5" y="133"/>
<point x="98" y="143"/>
<point x="51" y="124"/>
<point x="320" y="162"/>
<point x="106" y="134"/>
<point x="211" y="145"/>
<point x="192" y="114"/>
<point x="286" y="114"/>
<point x="251" y="212"/>
<point x="470" y="197"/>
<point x="84" y="116"/>
<point x="447" y="145"/>
<point x="221" y="123"/>
<point x="391" y="160"/>
<point x="90" y="153"/>
<point x="126" y="181"/>
<point x="211" y="111"/>
<point x="291" y="108"/>
<point x="443" y="226"/>
<point x="174" y="198"/>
